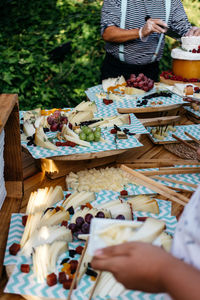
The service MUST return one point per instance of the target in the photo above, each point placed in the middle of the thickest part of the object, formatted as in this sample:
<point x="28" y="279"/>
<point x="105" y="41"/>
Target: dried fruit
<point x="25" y="268"/>
<point x="141" y="219"/>
<point x="51" y="279"/>
<point x="67" y="284"/>
<point x="72" y="253"/>
<point x="14" y="249"/>
<point x="62" y="277"/>
<point x="24" y="219"/>
<point x="65" y="260"/>
<point x="64" y="223"/>
<point x="123" y="193"/>
<point x="74" y="265"/>
<point x="79" y="250"/>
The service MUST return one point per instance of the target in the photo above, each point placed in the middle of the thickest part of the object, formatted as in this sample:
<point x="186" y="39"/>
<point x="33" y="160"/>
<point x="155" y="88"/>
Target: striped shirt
<point x="136" y="51"/>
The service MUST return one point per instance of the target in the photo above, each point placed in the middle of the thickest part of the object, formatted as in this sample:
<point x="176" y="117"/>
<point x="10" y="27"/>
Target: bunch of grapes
<point x="56" y="121"/>
<point x="89" y="135"/>
<point x="141" y="82"/>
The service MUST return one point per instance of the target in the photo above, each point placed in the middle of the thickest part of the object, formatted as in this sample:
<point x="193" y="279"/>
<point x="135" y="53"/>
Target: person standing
<point x="134" y="34"/>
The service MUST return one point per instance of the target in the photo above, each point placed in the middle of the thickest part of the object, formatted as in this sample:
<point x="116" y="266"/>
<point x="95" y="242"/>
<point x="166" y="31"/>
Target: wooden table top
<point x="38" y="180"/>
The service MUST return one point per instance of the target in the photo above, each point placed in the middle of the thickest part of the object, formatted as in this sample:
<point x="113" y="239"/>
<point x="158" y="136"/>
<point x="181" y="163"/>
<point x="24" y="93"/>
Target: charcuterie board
<point x="193" y="129"/>
<point x="25" y="283"/>
<point x="109" y="144"/>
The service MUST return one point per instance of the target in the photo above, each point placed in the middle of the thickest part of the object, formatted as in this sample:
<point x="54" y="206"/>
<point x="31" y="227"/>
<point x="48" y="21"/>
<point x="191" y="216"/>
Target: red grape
<point x="60" y="126"/>
<point x="85" y="228"/>
<point x="100" y="214"/>
<point x="57" y="114"/>
<point x="73" y="227"/>
<point x="54" y="127"/>
<point x="120" y="217"/>
<point x="79" y="221"/>
<point x="50" y="120"/>
<point x="88" y="218"/>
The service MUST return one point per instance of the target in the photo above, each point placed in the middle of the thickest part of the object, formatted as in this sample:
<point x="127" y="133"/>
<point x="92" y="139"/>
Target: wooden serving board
<point x="58" y="166"/>
<point x="172" y="82"/>
<point x="148" y="109"/>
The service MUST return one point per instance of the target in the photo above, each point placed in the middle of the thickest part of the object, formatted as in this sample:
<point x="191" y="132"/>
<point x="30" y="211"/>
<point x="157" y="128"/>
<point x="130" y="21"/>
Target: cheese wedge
<point x="78" y="199"/>
<point x="46" y="235"/>
<point x="28" y="128"/>
<point x="41" y="140"/>
<point x="80" y="116"/>
<point x="86" y="106"/>
<point x="133" y="91"/>
<point x="150" y="230"/>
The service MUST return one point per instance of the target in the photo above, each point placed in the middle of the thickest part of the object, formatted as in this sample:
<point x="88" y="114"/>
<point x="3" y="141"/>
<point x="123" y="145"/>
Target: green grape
<point x="90" y="137"/>
<point x="97" y="134"/>
<point x="88" y="130"/>
<point x="98" y="129"/>
<point x="84" y="128"/>
<point x="82" y="136"/>
<point x="97" y="139"/>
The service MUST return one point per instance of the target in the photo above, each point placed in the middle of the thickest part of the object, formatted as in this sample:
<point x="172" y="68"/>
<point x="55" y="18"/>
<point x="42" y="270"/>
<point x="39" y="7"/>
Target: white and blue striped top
<point x="136" y="51"/>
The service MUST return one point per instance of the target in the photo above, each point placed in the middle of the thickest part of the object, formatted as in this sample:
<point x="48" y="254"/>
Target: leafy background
<point x="30" y="30"/>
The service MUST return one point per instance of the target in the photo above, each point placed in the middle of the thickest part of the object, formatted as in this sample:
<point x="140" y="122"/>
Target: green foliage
<point x="31" y="29"/>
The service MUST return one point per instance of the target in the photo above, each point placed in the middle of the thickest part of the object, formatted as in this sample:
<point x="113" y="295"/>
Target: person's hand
<point x="194" y="31"/>
<point x="153" y="25"/>
<point x="136" y="265"/>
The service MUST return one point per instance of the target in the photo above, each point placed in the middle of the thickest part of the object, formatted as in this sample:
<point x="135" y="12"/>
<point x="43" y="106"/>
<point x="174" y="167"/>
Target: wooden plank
<point x="12" y="148"/>
<point x="160" y="120"/>
<point x="55" y="169"/>
<point x="7" y="103"/>
<point x="175" y="181"/>
<point x="166" y="171"/>
<point x="155" y="186"/>
<point x="171" y="162"/>
<point x="147" y="109"/>
<point x="14" y="189"/>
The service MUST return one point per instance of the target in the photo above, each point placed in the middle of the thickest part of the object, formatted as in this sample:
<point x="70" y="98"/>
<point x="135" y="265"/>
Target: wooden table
<point x="38" y="180"/>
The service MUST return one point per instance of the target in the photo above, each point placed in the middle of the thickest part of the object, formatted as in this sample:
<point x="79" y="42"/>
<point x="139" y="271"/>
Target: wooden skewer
<point x="95" y="285"/>
<point x="184" y="142"/>
<point x="175" y="181"/>
<point x="192" y="137"/>
<point x="157" y="187"/>
<point x="77" y="271"/>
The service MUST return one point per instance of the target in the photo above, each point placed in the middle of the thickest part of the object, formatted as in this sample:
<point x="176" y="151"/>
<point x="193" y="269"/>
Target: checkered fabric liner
<point x="190" y="109"/>
<point x="25" y="284"/>
<point x="193" y="129"/>
<point x="129" y="101"/>
<point x="109" y="144"/>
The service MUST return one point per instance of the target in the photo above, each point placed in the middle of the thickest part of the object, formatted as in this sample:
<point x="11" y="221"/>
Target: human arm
<point x="179" y="20"/>
<point x="119" y="35"/>
<point x="141" y="266"/>
<point x="110" y="24"/>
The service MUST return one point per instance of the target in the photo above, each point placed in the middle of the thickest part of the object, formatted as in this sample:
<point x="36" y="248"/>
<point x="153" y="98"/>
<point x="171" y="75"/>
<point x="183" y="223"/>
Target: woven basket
<point x="183" y="151"/>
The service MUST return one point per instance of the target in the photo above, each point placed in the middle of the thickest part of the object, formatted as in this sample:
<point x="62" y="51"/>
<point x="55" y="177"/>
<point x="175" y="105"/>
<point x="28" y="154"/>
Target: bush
<point x="30" y="30"/>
